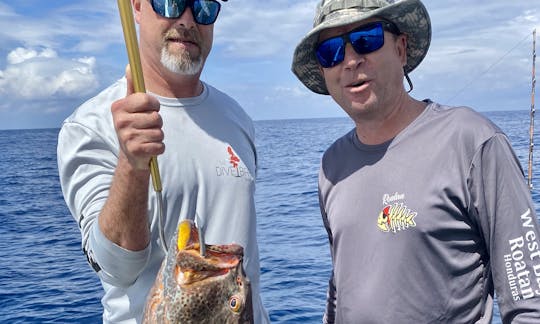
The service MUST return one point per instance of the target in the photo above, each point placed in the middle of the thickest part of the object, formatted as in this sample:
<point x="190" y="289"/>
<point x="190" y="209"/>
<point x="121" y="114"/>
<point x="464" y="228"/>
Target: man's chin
<point x="182" y="71"/>
<point x="181" y="65"/>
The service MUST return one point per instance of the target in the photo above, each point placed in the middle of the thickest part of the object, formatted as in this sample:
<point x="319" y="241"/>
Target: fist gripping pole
<point x="130" y="37"/>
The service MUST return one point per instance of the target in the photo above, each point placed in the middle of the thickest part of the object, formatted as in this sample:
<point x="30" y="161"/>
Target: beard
<point x="184" y="62"/>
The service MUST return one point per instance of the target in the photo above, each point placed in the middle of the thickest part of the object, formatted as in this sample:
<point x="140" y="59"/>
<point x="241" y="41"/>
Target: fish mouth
<point x="192" y="267"/>
<point x="219" y="260"/>
<point x="214" y="259"/>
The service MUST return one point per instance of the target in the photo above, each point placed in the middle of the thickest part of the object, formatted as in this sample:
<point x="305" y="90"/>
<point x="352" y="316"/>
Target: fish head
<point x="383" y="220"/>
<point x="192" y="288"/>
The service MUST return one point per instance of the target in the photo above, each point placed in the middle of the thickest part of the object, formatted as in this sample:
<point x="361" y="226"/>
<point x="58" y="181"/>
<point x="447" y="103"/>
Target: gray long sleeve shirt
<point x="424" y="228"/>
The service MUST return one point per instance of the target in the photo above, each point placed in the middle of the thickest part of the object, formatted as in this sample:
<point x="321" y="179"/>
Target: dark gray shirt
<point x="425" y="227"/>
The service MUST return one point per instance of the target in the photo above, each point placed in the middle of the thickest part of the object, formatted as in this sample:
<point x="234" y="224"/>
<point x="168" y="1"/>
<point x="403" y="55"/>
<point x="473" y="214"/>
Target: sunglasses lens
<point x="331" y="52"/>
<point x="205" y="12"/>
<point x="365" y="40"/>
<point x="169" y="8"/>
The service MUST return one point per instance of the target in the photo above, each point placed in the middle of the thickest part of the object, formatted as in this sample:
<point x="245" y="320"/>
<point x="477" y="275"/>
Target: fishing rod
<point x="531" y="128"/>
<point x="130" y="36"/>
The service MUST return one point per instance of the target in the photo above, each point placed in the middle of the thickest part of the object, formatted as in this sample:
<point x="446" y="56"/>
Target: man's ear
<point x="136" y="4"/>
<point x="401" y="44"/>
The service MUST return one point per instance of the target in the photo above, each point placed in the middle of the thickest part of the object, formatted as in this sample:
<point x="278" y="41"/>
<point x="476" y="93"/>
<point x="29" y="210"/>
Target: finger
<point x="132" y="138"/>
<point x="147" y="144"/>
<point x="153" y="137"/>
<point x="146" y="120"/>
<point x="130" y="88"/>
<point x="136" y="103"/>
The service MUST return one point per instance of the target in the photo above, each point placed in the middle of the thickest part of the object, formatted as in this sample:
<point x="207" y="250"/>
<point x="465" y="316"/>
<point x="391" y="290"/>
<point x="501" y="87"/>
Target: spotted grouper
<point x="192" y="288"/>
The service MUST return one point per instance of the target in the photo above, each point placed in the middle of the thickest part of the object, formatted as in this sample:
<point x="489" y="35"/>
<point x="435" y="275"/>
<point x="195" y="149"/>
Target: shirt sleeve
<point x="505" y="212"/>
<point x="330" y="311"/>
<point x="86" y="164"/>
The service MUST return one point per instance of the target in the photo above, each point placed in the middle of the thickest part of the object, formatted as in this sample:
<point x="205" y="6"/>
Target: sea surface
<point x="44" y="277"/>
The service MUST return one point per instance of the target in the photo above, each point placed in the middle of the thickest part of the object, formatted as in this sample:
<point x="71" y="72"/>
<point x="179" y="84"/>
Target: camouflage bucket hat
<point x="410" y="16"/>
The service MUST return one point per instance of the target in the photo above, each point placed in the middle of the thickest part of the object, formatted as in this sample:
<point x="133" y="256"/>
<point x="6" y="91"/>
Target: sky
<point x="54" y="55"/>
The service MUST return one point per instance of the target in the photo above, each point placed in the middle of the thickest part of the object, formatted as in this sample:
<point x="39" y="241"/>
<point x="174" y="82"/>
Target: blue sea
<point x="44" y="277"/>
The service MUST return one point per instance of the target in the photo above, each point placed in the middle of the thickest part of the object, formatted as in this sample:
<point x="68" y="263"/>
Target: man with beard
<point x="206" y="153"/>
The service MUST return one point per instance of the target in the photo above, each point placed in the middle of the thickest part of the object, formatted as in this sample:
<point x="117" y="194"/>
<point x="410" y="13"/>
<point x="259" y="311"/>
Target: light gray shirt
<point x="425" y="227"/>
<point x="209" y="168"/>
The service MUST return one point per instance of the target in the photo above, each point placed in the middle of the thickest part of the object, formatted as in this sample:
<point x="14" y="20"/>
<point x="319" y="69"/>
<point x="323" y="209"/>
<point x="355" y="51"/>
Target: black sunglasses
<point x="365" y="39"/>
<point x="205" y="12"/>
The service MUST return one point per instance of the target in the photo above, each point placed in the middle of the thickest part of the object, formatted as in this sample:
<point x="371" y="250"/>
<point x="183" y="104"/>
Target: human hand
<point x="138" y="126"/>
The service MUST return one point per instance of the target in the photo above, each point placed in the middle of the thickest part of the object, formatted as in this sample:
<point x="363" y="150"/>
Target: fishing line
<point x="487" y="70"/>
<point x="130" y="36"/>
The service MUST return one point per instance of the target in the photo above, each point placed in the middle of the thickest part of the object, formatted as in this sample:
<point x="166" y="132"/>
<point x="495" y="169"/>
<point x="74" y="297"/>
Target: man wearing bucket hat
<point x="425" y="205"/>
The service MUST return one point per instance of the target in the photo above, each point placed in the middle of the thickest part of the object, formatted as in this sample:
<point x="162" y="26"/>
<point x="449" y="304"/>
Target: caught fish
<point x="191" y="288"/>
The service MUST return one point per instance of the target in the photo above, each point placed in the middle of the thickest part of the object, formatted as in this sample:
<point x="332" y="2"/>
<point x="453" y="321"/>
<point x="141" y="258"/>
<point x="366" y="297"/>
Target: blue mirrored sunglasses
<point x="365" y="39"/>
<point x="205" y="12"/>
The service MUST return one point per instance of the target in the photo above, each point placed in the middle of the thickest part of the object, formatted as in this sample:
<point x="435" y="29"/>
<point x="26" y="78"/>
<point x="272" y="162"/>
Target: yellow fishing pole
<point x="132" y="46"/>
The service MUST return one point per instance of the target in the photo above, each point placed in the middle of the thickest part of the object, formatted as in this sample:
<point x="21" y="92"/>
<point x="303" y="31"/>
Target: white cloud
<point x="20" y="55"/>
<point x="250" y="28"/>
<point x="82" y="26"/>
<point x="5" y="11"/>
<point x="480" y="55"/>
<point x="49" y="58"/>
<point x="34" y="75"/>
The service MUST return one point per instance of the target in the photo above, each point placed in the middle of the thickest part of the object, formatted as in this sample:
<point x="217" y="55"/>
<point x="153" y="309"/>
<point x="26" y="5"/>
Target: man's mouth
<point x="181" y="40"/>
<point x="357" y="84"/>
<point x="182" y="37"/>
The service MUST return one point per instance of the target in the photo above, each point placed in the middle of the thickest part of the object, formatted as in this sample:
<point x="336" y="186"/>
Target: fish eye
<point x="235" y="303"/>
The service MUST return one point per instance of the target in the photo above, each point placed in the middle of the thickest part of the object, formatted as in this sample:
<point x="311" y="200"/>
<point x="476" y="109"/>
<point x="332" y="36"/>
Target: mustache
<point x="183" y="34"/>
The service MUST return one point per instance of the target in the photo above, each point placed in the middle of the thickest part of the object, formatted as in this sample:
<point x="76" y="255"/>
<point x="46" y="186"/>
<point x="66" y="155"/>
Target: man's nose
<point x="186" y="19"/>
<point x="351" y="58"/>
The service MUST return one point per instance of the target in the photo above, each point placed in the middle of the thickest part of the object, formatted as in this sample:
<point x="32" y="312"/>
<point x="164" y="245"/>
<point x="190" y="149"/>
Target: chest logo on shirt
<point x="233" y="158"/>
<point x="395" y="216"/>
<point x="232" y="166"/>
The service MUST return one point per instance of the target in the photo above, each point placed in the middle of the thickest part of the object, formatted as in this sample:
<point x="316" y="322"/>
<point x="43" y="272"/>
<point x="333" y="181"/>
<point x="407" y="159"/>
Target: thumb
<point x="130" y="88"/>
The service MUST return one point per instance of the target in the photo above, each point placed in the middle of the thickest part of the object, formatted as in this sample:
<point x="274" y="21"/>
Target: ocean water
<point x="44" y="277"/>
